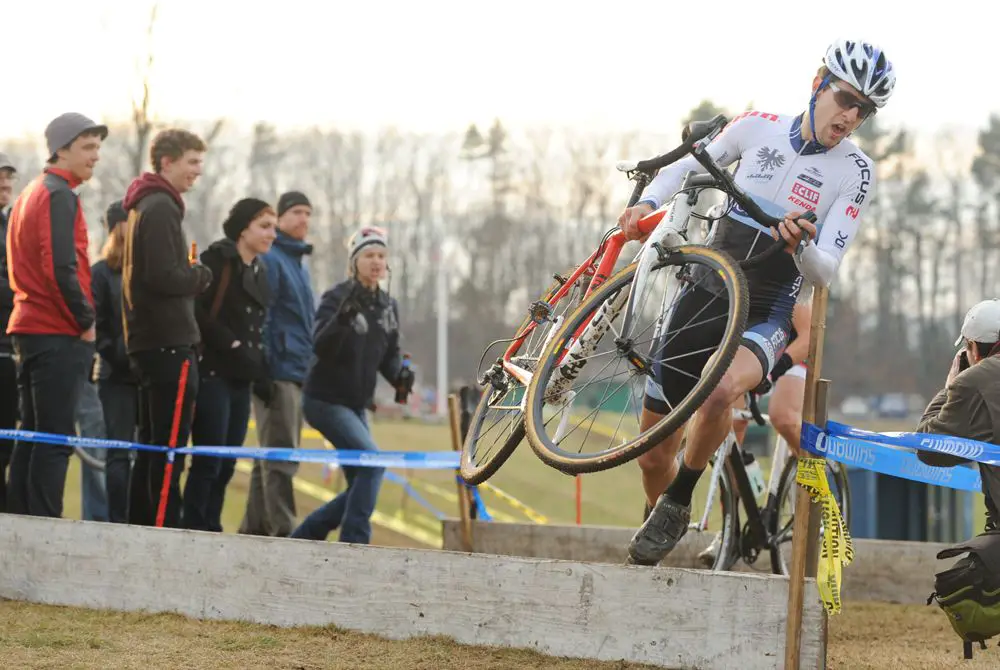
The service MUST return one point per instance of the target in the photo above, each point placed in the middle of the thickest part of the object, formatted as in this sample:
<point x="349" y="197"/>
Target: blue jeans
<point x="90" y="423"/>
<point x="351" y="511"/>
<point x="221" y="414"/>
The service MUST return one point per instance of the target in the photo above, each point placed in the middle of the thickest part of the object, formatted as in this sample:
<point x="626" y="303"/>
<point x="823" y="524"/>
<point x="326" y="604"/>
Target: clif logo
<point x="803" y="191"/>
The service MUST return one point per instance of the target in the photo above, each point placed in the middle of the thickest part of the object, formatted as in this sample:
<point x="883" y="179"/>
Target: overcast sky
<point x="438" y="64"/>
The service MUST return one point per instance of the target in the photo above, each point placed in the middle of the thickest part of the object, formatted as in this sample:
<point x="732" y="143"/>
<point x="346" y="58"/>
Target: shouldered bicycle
<point x="545" y="378"/>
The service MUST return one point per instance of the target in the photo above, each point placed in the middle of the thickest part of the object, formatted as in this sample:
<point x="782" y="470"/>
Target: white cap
<point x="982" y="323"/>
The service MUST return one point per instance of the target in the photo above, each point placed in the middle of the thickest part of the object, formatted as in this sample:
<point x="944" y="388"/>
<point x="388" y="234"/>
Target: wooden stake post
<point x="464" y="499"/>
<point x="805" y="532"/>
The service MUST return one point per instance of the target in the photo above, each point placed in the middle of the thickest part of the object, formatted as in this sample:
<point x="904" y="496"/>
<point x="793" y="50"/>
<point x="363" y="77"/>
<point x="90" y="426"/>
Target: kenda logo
<point x="846" y="451"/>
<point x="955" y="447"/>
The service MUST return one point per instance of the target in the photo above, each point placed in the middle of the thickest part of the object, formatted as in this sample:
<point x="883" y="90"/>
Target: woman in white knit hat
<point x="356" y="337"/>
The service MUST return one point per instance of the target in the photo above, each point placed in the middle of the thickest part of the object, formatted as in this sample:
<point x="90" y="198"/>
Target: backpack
<point x="969" y="591"/>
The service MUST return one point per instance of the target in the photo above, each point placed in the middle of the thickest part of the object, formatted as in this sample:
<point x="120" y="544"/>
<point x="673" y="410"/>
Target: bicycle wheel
<point x="581" y="336"/>
<point x="781" y="525"/>
<point x="715" y="519"/>
<point x="497" y="426"/>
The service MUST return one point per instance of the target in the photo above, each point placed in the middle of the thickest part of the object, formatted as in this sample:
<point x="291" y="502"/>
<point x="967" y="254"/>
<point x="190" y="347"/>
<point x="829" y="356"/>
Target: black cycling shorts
<point x="676" y="371"/>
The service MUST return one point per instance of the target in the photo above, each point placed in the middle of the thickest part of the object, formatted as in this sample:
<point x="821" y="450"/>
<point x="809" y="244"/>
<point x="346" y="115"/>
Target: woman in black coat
<point x="230" y="316"/>
<point x="117" y="385"/>
<point x="356" y="338"/>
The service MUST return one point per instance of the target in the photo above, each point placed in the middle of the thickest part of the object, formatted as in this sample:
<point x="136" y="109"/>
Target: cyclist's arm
<point x="819" y="261"/>
<point x="724" y="150"/>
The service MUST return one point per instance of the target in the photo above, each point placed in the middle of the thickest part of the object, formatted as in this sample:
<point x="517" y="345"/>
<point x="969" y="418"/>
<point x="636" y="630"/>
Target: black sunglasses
<point x="846" y="101"/>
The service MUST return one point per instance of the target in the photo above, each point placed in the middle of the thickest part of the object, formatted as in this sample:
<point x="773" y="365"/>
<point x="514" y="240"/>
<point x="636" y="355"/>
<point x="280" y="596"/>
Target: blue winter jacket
<point x="291" y="310"/>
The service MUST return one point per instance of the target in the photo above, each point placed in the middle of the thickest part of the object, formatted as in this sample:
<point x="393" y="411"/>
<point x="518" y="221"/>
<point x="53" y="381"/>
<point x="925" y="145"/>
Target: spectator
<point x="90" y="423"/>
<point x="230" y="315"/>
<point x="8" y="373"/>
<point x="117" y="385"/>
<point x="969" y="404"/>
<point x="52" y="322"/>
<point x="277" y="403"/>
<point x="159" y="286"/>
<point x="357" y="336"/>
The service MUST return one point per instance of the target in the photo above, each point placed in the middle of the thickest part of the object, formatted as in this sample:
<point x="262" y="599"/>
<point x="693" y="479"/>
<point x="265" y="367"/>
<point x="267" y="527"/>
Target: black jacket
<point x="159" y="284"/>
<point x="106" y="285"/>
<point x="241" y="315"/>
<point x="6" y="294"/>
<point x="345" y="362"/>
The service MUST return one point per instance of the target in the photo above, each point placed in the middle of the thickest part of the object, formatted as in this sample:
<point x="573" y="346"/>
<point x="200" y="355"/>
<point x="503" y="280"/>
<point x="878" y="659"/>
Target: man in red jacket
<point x="52" y="323"/>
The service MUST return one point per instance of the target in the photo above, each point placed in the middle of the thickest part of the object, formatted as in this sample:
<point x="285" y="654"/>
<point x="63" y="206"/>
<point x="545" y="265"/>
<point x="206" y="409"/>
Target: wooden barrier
<point x="669" y="617"/>
<point x="882" y="571"/>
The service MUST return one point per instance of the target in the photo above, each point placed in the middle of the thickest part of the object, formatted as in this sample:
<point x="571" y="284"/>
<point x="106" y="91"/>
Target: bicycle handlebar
<point x="701" y="134"/>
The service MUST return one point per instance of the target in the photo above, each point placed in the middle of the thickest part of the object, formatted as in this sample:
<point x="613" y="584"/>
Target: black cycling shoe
<point x="666" y="525"/>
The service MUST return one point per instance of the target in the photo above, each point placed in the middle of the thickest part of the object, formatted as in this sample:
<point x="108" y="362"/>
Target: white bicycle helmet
<point x="864" y="66"/>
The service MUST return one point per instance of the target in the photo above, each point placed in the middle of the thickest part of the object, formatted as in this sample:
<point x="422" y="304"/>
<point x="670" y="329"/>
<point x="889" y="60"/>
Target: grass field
<point x="865" y="636"/>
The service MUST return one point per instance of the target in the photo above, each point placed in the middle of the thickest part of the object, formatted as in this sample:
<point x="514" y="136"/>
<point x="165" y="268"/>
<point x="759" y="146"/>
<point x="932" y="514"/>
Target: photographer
<point x="356" y="337"/>
<point x="965" y="407"/>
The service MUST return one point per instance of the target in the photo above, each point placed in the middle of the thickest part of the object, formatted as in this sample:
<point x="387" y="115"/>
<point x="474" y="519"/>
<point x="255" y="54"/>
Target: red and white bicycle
<point x="550" y="386"/>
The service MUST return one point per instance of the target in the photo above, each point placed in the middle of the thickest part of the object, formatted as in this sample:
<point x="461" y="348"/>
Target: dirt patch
<point x="914" y="637"/>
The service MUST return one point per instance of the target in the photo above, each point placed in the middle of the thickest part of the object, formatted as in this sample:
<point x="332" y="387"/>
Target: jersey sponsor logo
<point x="841" y="240"/>
<point x="769" y="159"/>
<point x="813" y="170"/>
<point x="865" y="175"/>
<point x="803" y="191"/>
<point x="852" y="211"/>
<point x="799" y="202"/>
<point x="810" y="180"/>
<point x="796" y="287"/>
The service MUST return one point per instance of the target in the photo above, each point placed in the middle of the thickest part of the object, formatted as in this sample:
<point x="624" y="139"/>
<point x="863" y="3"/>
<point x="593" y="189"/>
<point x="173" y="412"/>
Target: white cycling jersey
<point x="784" y="173"/>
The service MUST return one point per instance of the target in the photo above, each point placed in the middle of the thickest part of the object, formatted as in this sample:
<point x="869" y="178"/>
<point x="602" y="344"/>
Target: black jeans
<point x="50" y="372"/>
<point x="121" y="412"/>
<point x="159" y="373"/>
<point x="8" y="417"/>
<point x="220" y="420"/>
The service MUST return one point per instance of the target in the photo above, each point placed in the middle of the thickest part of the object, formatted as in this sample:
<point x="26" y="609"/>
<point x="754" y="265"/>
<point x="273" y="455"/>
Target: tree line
<point x="500" y="210"/>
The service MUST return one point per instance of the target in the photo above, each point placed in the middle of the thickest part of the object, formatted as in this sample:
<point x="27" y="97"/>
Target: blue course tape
<point x="481" y="511"/>
<point x="433" y="460"/>
<point x="840" y="443"/>
<point x="412" y="492"/>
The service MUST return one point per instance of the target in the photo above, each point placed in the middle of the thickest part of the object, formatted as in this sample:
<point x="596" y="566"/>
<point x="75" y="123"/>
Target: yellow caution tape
<point x="532" y="515"/>
<point x="395" y="522"/>
<point x="837" y="550"/>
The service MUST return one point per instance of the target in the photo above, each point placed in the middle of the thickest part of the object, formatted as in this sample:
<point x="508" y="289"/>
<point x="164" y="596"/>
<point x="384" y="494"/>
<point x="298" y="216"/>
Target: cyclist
<point x="787" y="164"/>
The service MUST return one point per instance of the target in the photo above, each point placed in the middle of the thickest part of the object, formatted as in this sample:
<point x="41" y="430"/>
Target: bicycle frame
<point x="677" y="209"/>
<point x="729" y="451"/>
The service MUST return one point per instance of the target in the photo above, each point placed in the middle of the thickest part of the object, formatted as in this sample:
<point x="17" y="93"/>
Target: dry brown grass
<point x="866" y="635"/>
<point x="910" y="637"/>
<point x="37" y="636"/>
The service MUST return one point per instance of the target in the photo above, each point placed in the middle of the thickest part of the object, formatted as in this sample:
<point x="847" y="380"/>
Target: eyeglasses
<point x="847" y="101"/>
